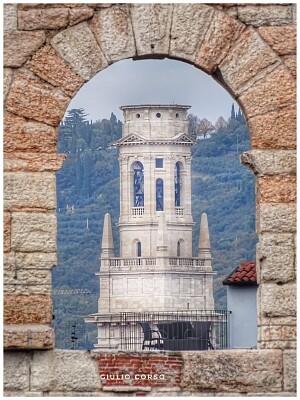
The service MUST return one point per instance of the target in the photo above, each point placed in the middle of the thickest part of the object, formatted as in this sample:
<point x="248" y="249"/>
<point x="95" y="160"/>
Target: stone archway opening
<point x="61" y="48"/>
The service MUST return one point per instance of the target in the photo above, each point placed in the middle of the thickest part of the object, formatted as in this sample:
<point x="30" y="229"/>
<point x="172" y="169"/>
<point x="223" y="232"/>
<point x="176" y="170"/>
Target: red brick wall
<point x="140" y="370"/>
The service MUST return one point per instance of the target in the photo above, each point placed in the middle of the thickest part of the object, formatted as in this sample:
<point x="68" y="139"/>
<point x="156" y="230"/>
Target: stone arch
<point x="50" y="52"/>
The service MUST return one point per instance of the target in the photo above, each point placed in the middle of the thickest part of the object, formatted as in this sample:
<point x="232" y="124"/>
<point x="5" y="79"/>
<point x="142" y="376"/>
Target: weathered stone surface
<point x="47" y="65"/>
<point x="276" y="189"/>
<point x="34" y="260"/>
<point x="35" y="19"/>
<point x="220" y="36"/>
<point x="281" y="38"/>
<point x="189" y="26"/>
<point x="7" y="79"/>
<point x="32" y="162"/>
<point x="289" y="371"/>
<point x="27" y="289"/>
<point x="113" y="31"/>
<point x="228" y="371"/>
<point x="291" y="63"/>
<point x="6" y="231"/>
<point x="276" y="257"/>
<point x="19" y="46"/>
<point x="30" y="97"/>
<point x="276" y="217"/>
<point x="29" y="190"/>
<point x="33" y="232"/>
<point x="275" y="91"/>
<point x="151" y="26"/>
<point x="35" y="337"/>
<point x="277" y="300"/>
<point x="64" y="370"/>
<point x="21" y="135"/>
<point x="260" y="15"/>
<point x="277" y="344"/>
<point x="16" y="370"/>
<point x="10" y="22"/>
<point x="267" y="162"/>
<point x="275" y="130"/>
<point x="247" y="59"/>
<point x="78" y="47"/>
<point x="29" y="277"/>
<point x="278" y="333"/>
<point x="77" y="15"/>
<point x="22" y="309"/>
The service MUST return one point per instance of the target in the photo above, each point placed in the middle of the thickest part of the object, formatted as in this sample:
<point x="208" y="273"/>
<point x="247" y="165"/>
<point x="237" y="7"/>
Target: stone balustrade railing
<point x="149" y="261"/>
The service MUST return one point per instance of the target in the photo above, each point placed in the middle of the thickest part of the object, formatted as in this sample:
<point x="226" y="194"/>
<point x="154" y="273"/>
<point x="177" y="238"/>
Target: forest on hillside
<point x="88" y="187"/>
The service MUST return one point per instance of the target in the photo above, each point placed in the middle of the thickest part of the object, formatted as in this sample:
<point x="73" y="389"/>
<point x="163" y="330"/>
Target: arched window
<point x="159" y="195"/>
<point x="139" y="249"/>
<point x="178" y="248"/>
<point x="177" y="184"/>
<point x="138" y="184"/>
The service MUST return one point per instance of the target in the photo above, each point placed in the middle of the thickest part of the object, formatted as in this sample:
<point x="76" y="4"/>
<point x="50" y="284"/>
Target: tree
<point x="220" y="123"/>
<point x="232" y="116"/>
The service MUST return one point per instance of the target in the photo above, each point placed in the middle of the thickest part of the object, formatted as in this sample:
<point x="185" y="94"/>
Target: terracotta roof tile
<point x="243" y="274"/>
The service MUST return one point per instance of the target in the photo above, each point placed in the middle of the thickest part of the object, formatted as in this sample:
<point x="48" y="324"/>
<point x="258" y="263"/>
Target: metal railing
<point x="174" y="330"/>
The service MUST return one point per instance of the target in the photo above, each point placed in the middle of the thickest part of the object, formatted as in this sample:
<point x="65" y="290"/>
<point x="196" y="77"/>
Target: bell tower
<point x="156" y="270"/>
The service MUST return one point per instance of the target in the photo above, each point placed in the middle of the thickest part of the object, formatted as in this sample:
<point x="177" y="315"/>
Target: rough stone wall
<point x="50" y="50"/>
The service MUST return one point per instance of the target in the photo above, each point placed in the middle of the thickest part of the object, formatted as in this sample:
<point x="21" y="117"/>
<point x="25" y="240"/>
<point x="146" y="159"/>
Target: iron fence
<point x="180" y="330"/>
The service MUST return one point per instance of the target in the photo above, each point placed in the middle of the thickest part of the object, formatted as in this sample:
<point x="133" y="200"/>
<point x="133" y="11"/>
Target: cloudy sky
<point x="149" y="82"/>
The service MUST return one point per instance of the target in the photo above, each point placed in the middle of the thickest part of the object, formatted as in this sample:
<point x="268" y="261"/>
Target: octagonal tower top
<point x="155" y="120"/>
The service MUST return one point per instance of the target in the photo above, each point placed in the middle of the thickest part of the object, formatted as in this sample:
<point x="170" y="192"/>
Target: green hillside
<point x="88" y="187"/>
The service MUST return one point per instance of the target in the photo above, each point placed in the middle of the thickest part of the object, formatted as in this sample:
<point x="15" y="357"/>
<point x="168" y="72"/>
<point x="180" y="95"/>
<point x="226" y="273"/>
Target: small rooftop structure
<point x="244" y="274"/>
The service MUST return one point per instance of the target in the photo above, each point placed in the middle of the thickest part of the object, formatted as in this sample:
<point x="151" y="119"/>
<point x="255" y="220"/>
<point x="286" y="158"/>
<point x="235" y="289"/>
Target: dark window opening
<point x="159" y="195"/>
<point x="138" y="184"/>
<point x="177" y="185"/>
<point x="158" y="115"/>
<point x="139" y="249"/>
<point x="159" y="163"/>
<point x="178" y="249"/>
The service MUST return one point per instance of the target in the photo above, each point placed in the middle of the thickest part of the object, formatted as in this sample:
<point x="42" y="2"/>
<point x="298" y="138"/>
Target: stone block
<point x="189" y="26"/>
<point x="276" y="217"/>
<point x="289" y="371"/>
<point x="31" y="309"/>
<point x="33" y="232"/>
<point x="282" y="39"/>
<point x="228" y="371"/>
<point x="275" y="130"/>
<point x="64" y="371"/>
<point x="30" y="277"/>
<point x="29" y="190"/>
<point x="269" y="15"/>
<point x="277" y="300"/>
<point x="276" y="189"/>
<point x="246" y="61"/>
<point x="278" y="333"/>
<point x="151" y="26"/>
<point x="277" y="344"/>
<point x="16" y="370"/>
<point x="19" y="46"/>
<point x="21" y="135"/>
<point x="27" y="289"/>
<point x="7" y="231"/>
<point x="34" y="260"/>
<point x="47" y="65"/>
<point x="32" y="98"/>
<point x="276" y="258"/>
<point x="33" y="162"/>
<point x="222" y="32"/>
<point x="268" y="162"/>
<point x="113" y="31"/>
<point x="35" y="19"/>
<point x="29" y="337"/>
<point x="78" y="47"/>
<point x="291" y="63"/>
<point x="275" y="91"/>
<point x="77" y="15"/>
<point x="10" y="19"/>
<point x="7" y="79"/>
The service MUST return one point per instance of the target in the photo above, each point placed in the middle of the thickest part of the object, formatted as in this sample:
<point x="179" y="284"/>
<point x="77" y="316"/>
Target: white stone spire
<point x="107" y="248"/>
<point x="204" y="241"/>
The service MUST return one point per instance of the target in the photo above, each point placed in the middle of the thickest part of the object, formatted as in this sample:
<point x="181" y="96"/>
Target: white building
<point x="156" y="271"/>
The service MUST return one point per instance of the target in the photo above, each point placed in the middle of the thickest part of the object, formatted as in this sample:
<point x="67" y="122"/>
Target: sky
<point x="152" y="82"/>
